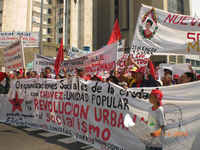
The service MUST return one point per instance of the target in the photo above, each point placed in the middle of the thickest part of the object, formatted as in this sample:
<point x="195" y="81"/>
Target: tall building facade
<point x="48" y="19"/>
<point x="127" y="12"/>
<point x="90" y="22"/>
<point x="80" y="22"/>
<point x="24" y="16"/>
<point x="1" y="11"/>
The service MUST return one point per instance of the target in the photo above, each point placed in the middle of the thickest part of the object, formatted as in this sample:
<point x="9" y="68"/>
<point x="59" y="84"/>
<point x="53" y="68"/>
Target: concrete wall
<point x="187" y="7"/>
<point x="14" y="15"/>
<point x="74" y="24"/>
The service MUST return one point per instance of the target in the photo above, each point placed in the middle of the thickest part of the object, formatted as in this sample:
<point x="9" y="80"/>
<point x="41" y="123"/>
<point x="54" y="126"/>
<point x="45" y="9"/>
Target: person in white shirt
<point x="156" y="121"/>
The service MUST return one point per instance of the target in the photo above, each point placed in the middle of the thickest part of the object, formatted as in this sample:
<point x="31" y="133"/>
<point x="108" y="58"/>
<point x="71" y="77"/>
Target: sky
<point x="195" y="7"/>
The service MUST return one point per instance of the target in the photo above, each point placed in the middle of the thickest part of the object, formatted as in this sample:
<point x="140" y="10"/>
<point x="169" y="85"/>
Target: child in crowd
<point x="156" y="121"/>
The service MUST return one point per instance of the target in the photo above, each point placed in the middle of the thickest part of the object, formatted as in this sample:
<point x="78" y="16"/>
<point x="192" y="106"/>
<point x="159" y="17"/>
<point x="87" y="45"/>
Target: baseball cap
<point x="133" y="69"/>
<point x="168" y="70"/>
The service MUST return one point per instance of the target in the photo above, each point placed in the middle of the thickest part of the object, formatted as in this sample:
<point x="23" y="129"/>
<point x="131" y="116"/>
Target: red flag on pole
<point x="59" y="58"/>
<point x="115" y="35"/>
<point x="152" y="69"/>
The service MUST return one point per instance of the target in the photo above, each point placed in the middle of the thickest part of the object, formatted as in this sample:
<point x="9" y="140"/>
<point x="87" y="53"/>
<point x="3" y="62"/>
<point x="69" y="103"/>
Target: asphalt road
<point x="18" y="138"/>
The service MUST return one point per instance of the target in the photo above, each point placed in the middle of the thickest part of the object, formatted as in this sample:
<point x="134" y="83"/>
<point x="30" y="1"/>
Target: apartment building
<point x="127" y="12"/>
<point x="1" y="11"/>
<point x="80" y="22"/>
<point x="90" y="21"/>
<point x="48" y="24"/>
<point x="24" y="16"/>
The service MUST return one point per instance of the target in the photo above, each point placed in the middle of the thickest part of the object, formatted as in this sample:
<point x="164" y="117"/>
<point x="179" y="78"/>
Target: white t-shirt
<point x="156" y="119"/>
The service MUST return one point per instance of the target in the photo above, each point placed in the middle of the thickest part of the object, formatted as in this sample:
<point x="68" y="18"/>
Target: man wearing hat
<point x="167" y="79"/>
<point x="156" y="121"/>
<point x="132" y="80"/>
<point x="139" y="78"/>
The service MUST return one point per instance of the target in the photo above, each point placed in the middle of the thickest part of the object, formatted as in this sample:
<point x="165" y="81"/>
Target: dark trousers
<point x="153" y="148"/>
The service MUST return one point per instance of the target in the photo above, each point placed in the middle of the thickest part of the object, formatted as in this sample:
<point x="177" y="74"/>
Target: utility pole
<point x="66" y="36"/>
<point x="41" y="25"/>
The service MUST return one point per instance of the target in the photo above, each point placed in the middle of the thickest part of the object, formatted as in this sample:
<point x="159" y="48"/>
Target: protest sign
<point x="100" y="60"/>
<point x="93" y="112"/>
<point x="14" y="57"/>
<point x="30" y="39"/>
<point x="40" y="62"/>
<point x="161" y="31"/>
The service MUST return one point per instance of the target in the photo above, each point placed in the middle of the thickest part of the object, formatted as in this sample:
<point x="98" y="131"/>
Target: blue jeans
<point x="153" y="148"/>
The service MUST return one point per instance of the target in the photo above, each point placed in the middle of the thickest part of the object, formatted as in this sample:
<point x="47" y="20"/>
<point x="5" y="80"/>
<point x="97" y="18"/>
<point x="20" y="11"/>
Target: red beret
<point x="158" y="94"/>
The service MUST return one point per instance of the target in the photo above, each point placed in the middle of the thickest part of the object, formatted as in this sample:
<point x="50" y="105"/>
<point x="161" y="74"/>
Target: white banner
<point x="100" y="60"/>
<point x="30" y="39"/>
<point x="14" y="56"/>
<point x="40" y="62"/>
<point x="161" y="31"/>
<point x="94" y="112"/>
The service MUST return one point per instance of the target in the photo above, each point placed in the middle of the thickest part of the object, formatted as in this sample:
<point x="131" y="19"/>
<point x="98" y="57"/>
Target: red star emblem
<point x="16" y="102"/>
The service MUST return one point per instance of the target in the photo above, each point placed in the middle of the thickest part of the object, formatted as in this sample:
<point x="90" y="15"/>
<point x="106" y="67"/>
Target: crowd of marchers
<point x="127" y="77"/>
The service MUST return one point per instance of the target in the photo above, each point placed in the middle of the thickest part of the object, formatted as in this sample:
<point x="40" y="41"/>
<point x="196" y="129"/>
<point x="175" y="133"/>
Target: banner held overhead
<point x="161" y="31"/>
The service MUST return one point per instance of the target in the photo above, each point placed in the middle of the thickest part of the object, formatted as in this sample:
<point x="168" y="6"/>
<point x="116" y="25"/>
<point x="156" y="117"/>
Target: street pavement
<point x="19" y="138"/>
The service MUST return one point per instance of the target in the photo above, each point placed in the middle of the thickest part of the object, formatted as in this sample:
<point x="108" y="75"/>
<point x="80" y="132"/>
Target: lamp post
<point x="41" y="25"/>
<point x="66" y="35"/>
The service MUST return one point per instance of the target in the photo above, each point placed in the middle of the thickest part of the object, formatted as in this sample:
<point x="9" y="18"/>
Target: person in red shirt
<point x="47" y="72"/>
<point x="81" y="74"/>
<point x="139" y="77"/>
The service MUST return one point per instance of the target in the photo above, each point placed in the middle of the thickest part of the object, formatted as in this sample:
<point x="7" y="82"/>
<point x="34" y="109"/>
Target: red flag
<point x="152" y="69"/>
<point x="115" y="35"/>
<point x="59" y="58"/>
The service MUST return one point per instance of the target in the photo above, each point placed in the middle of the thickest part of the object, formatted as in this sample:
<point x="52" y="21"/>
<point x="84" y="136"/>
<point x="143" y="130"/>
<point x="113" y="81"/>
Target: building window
<point x="60" y="21"/>
<point x="49" y="30"/>
<point x="48" y="39"/>
<point x="49" y="1"/>
<point x="180" y="59"/>
<point x="172" y="59"/>
<point x="60" y="30"/>
<point x="60" y="11"/>
<point x="176" y="6"/>
<point x="49" y="10"/>
<point x="60" y="1"/>
<point x="198" y="63"/>
<point x="49" y="20"/>
<point x="122" y="13"/>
